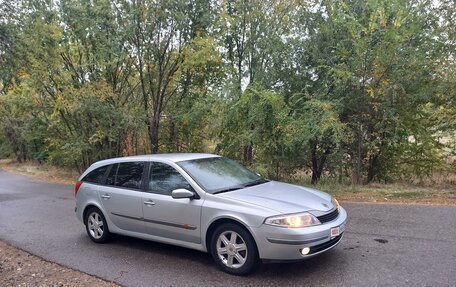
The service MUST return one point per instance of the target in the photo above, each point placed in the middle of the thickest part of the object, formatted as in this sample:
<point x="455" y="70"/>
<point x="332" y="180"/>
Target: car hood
<point x="282" y="197"/>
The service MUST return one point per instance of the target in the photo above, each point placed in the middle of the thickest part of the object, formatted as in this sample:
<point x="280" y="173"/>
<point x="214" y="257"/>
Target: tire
<point x="234" y="250"/>
<point x="96" y="226"/>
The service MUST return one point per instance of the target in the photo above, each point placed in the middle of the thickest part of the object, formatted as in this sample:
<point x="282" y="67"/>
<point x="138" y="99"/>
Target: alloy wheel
<point x="95" y="225"/>
<point x="231" y="249"/>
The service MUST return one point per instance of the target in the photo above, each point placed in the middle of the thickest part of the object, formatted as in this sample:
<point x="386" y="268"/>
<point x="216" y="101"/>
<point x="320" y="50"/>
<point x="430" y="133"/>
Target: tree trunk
<point x="248" y="149"/>
<point x="154" y="125"/>
<point x="372" y="170"/>
<point x="173" y="145"/>
<point x="248" y="153"/>
<point x="317" y="163"/>
<point x="357" y="170"/>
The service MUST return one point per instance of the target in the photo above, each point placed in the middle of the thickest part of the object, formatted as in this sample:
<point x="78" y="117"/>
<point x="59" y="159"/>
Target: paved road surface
<point x="384" y="245"/>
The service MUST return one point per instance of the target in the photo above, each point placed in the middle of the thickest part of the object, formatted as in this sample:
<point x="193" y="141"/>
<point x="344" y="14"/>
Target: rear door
<point x="165" y="216"/>
<point x="121" y="195"/>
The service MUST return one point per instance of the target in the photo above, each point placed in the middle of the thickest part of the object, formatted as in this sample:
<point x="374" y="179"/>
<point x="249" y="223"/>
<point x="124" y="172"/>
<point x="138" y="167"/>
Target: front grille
<point x="329" y="216"/>
<point x="326" y="245"/>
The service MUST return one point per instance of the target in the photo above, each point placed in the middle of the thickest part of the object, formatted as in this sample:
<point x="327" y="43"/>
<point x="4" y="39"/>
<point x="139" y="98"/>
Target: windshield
<point x="219" y="174"/>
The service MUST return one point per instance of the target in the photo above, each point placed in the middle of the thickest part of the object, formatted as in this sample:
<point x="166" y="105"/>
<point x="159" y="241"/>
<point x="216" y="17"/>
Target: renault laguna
<point x="208" y="203"/>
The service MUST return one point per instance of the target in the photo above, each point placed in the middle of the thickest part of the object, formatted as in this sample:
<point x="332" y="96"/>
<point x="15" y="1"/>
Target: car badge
<point x="325" y="205"/>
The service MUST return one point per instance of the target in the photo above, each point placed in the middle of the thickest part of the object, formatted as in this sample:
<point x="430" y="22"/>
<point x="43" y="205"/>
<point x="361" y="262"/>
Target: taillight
<point x="76" y="188"/>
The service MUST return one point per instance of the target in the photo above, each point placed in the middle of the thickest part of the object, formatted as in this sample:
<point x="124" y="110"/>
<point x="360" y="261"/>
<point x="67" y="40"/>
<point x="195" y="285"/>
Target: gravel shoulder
<point x="19" y="268"/>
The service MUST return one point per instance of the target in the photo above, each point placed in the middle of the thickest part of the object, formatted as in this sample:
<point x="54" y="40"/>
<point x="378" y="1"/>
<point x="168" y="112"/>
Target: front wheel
<point x="234" y="249"/>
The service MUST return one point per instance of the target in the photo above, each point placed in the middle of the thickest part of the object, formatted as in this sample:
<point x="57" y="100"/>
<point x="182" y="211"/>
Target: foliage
<point x="360" y="91"/>
<point x="258" y="118"/>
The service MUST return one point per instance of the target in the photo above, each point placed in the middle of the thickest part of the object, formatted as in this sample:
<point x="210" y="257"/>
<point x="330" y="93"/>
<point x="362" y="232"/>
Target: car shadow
<point x="204" y="261"/>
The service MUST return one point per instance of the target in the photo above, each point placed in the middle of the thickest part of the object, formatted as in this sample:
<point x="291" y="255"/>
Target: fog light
<point x="305" y="251"/>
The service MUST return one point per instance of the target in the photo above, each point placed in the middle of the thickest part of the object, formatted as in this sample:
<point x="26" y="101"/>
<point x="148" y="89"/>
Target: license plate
<point x="335" y="231"/>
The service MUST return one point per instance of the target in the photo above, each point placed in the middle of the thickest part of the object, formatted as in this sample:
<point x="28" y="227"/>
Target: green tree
<point x="376" y="62"/>
<point x="254" y="35"/>
<point x="267" y="112"/>
<point x="161" y="34"/>
<point x="355" y="89"/>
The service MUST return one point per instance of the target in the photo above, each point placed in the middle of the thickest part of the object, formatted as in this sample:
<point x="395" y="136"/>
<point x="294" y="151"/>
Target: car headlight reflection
<point x="293" y="220"/>
<point x="335" y="202"/>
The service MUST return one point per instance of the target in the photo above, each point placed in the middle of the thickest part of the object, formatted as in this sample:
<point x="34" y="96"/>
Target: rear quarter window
<point x="96" y="175"/>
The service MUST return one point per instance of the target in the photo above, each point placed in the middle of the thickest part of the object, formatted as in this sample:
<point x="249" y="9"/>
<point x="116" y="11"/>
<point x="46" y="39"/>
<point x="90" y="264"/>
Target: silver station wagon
<point x="208" y="203"/>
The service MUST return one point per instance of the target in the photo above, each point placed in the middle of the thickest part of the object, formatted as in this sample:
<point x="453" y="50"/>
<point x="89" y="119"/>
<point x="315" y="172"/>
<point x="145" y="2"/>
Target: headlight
<point x="335" y="202"/>
<point x="293" y="220"/>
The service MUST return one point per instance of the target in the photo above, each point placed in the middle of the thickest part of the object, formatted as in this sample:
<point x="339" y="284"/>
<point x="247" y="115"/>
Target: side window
<point x="163" y="179"/>
<point x="96" y="175"/>
<point x="126" y="174"/>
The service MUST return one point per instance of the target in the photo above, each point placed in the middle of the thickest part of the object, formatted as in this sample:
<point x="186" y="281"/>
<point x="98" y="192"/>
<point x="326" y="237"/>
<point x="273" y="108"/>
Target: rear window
<point x="96" y="175"/>
<point x="126" y="174"/>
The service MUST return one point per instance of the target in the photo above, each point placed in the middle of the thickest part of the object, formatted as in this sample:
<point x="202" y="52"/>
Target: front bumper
<point x="279" y="243"/>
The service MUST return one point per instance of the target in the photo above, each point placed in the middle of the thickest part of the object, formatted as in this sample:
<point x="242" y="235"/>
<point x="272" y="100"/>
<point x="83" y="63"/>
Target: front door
<point x="165" y="216"/>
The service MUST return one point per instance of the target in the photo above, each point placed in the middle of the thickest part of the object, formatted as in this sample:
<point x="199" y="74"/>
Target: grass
<point x="403" y="193"/>
<point x="40" y="171"/>
<point x="392" y="193"/>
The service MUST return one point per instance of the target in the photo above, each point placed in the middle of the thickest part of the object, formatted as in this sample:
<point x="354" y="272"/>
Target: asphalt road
<point x="384" y="245"/>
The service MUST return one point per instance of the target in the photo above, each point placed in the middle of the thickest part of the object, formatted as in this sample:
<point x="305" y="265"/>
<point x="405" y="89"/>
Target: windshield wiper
<point x="256" y="182"/>
<point x="228" y="189"/>
<point x="252" y="183"/>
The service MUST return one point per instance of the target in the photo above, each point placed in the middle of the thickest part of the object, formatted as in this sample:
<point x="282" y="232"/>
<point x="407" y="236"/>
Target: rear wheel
<point x="234" y="249"/>
<point x="96" y="226"/>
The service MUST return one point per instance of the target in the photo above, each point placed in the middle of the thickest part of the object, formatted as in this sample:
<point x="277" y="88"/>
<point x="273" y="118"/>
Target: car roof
<point x="173" y="157"/>
<point x="162" y="157"/>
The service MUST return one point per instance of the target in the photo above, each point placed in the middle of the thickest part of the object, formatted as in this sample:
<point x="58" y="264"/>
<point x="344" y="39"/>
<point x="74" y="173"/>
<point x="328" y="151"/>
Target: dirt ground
<point x="21" y="269"/>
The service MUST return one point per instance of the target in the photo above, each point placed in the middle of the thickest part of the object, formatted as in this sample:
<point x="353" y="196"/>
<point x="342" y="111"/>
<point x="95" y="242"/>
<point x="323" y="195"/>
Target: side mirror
<point x="182" y="193"/>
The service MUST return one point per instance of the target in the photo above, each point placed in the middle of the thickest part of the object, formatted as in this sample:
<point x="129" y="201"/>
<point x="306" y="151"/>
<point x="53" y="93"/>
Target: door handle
<point x="149" y="202"/>
<point x="106" y="196"/>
